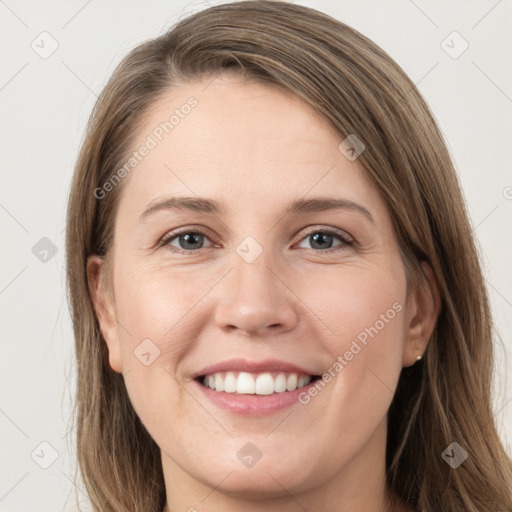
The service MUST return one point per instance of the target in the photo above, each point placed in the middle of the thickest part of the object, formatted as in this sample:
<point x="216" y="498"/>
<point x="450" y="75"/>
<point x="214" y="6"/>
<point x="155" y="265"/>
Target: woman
<point x="325" y="342"/>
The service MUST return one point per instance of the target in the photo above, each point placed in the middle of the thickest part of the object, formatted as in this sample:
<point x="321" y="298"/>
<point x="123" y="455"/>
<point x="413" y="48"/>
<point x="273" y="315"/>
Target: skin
<point x="257" y="148"/>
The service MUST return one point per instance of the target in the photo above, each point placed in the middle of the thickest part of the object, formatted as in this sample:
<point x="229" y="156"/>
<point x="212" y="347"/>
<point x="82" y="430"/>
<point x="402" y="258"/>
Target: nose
<point x="255" y="300"/>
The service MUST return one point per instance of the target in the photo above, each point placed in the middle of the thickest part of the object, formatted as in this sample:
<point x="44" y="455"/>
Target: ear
<point x="105" y="312"/>
<point x="422" y="311"/>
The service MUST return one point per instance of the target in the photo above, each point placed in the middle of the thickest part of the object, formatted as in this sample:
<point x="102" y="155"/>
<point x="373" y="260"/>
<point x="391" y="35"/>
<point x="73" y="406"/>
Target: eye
<point x="322" y="239"/>
<point x="191" y="241"/>
<point x="188" y="241"/>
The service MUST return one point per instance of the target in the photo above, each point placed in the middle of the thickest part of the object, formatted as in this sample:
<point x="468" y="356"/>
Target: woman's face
<point x="257" y="288"/>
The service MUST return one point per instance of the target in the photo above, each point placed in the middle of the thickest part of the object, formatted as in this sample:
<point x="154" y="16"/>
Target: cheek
<point x="160" y="317"/>
<point x="156" y="328"/>
<point x="360" y="304"/>
<point x="157" y="302"/>
<point x="365" y="315"/>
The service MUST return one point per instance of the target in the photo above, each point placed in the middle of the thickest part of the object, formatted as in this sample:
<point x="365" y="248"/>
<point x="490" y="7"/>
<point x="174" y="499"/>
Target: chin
<point x="263" y="480"/>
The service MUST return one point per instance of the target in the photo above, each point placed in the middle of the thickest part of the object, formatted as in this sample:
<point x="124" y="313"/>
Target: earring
<point x="418" y="358"/>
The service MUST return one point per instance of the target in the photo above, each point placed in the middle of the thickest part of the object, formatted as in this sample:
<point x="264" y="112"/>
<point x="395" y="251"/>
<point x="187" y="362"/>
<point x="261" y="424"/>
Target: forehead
<point x="239" y="140"/>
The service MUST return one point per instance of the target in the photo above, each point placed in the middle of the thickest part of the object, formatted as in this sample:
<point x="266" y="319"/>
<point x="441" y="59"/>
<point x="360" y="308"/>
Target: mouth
<point x="254" y="388"/>
<point x="262" y="384"/>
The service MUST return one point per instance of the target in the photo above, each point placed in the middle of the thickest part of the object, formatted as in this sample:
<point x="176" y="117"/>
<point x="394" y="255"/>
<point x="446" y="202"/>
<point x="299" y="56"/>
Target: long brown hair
<point x="358" y="89"/>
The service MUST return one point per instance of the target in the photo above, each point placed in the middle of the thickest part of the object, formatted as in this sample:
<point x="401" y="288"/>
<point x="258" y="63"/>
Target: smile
<point x="264" y="383"/>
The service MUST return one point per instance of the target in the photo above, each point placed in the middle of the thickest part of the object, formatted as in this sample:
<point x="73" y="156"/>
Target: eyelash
<point x="347" y="241"/>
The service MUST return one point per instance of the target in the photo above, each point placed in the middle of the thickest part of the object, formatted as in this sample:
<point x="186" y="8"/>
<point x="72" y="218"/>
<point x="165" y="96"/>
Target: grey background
<point x="44" y="105"/>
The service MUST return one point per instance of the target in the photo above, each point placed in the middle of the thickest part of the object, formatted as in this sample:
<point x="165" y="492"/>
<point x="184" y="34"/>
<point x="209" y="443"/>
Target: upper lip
<point x="245" y="365"/>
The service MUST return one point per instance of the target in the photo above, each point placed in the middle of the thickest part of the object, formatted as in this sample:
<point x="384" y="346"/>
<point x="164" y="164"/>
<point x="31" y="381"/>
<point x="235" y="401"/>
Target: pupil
<point x="321" y="237"/>
<point x="190" y="238"/>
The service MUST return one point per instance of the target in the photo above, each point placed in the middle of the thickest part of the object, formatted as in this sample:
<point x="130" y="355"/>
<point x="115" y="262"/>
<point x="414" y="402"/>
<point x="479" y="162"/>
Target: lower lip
<point x="253" y="405"/>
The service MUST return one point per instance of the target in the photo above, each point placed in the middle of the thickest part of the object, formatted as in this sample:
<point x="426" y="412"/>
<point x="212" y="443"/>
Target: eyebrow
<point x="213" y="207"/>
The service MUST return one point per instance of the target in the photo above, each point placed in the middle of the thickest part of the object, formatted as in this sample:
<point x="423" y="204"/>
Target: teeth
<point x="264" y="384"/>
<point x="291" y="382"/>
<point x="280" y="383"/>
<point x="229" y="383"/>
<point x="245" y="383"/>
<point x="218" y="383"/>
